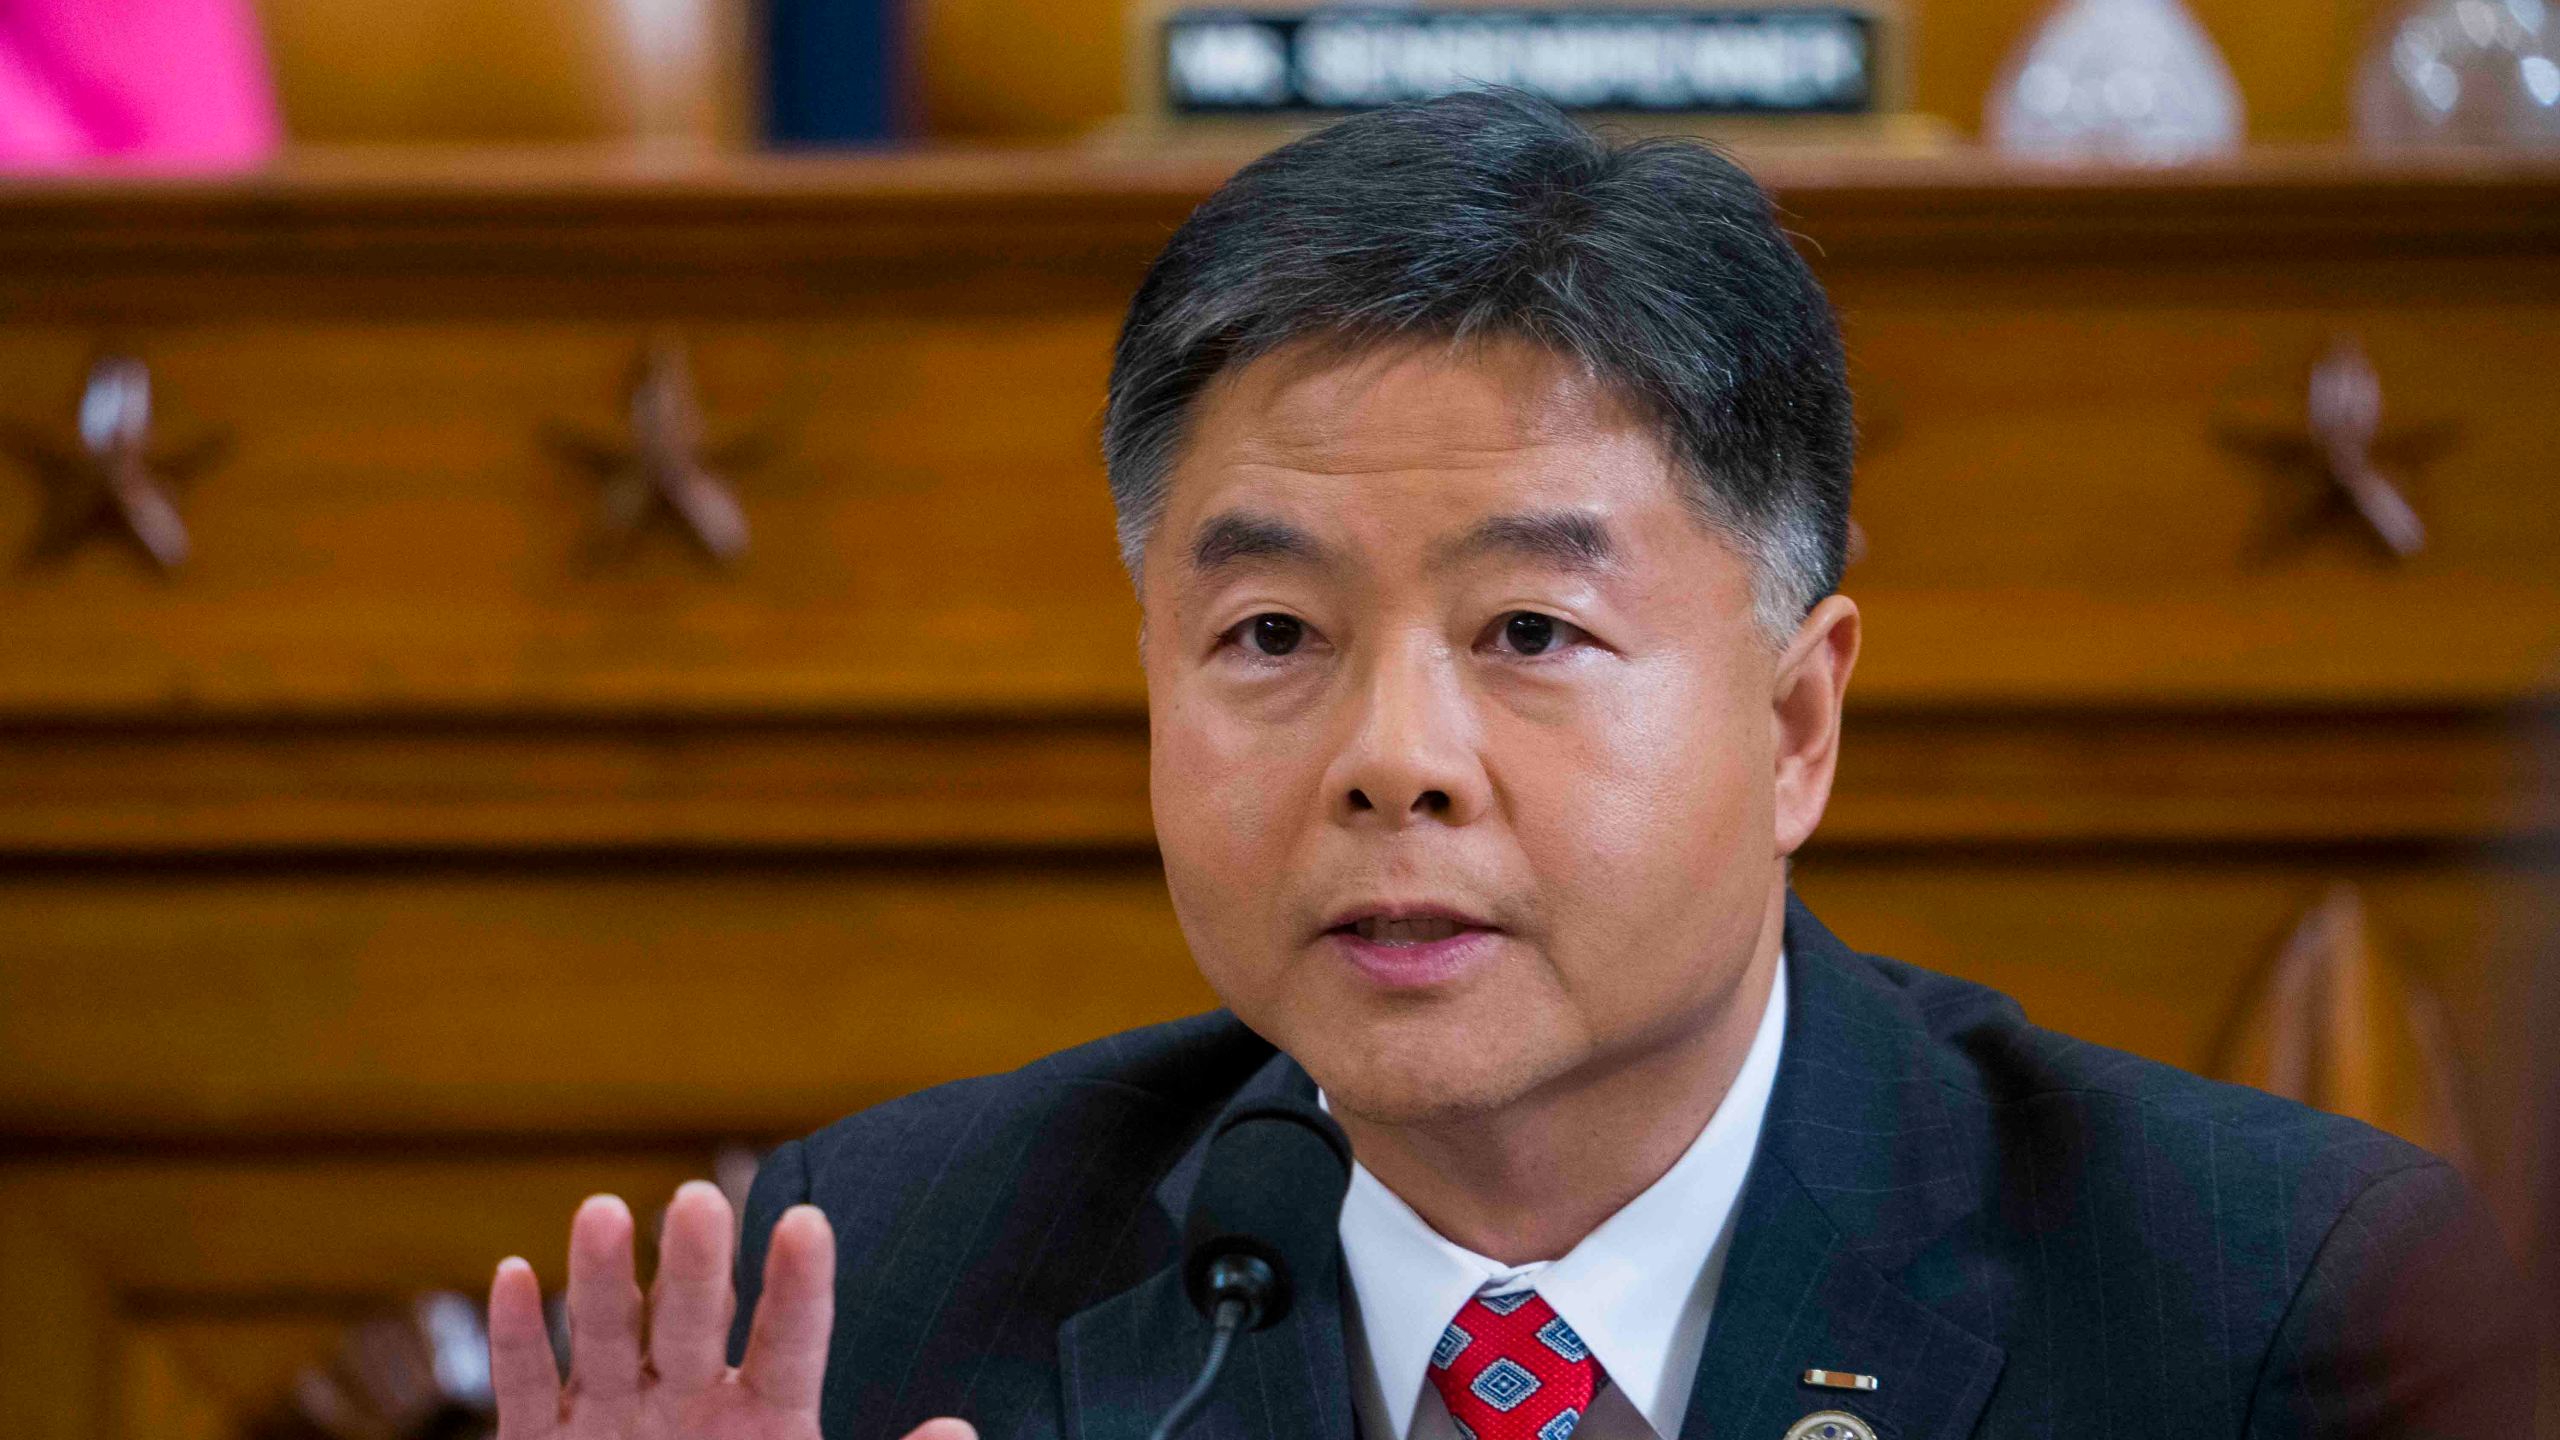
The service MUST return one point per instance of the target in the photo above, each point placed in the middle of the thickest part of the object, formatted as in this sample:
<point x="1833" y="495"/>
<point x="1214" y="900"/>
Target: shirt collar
<point x="1638" y="1290"/>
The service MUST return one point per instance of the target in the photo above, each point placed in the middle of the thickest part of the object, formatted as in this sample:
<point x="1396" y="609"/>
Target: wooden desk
<point x="407" y="864"/>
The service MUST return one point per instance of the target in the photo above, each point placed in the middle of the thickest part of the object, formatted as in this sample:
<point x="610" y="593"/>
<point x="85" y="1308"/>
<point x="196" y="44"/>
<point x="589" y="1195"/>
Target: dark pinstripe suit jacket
<point x="2021" y="1234"/>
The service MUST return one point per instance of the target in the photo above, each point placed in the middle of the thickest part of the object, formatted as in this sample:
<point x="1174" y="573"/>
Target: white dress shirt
<point x="1638" y="1290"/>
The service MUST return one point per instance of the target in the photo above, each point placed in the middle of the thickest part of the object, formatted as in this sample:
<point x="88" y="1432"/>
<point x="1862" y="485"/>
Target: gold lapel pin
<point x="1831" y="1425"/>
<point x="1839" y="1380"/>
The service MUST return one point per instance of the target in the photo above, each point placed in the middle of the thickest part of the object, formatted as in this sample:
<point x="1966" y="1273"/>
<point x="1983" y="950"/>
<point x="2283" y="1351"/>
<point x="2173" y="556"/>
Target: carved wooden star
<point x="110" y="480"/>
<point x="666" y="464"/>
<point x="2347" y="456"/>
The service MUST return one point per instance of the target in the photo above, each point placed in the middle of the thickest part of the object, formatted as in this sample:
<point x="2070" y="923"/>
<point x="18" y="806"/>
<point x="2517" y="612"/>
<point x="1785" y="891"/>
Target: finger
<point x="604" y="1302"/>
<point x="523" y="1375"/>
<point x="787" y="1347"/>
<point x="947" y="1427"/>
<point x="691" y="1301"/>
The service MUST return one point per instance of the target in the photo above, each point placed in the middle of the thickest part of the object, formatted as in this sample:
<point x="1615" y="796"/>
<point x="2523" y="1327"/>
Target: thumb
<point x="946" y="1428"/>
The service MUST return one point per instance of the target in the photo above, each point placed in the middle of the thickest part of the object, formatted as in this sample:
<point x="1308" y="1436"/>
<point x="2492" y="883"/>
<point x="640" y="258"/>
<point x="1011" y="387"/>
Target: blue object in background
<point x="835" y="72"/>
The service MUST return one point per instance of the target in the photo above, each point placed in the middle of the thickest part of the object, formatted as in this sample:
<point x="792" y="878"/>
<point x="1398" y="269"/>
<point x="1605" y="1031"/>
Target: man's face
<point x="1466" y="768"/>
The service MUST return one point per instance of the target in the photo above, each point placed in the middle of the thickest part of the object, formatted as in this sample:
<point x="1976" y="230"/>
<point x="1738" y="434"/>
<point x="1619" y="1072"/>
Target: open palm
<point x="658" y="1370"/>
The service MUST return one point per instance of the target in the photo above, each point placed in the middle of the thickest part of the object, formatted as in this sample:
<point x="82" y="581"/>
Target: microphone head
<point x="1270" y="1191"/>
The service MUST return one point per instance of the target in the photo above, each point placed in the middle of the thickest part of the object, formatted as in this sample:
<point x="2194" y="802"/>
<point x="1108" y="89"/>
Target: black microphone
<point x="1264" y="1226"/>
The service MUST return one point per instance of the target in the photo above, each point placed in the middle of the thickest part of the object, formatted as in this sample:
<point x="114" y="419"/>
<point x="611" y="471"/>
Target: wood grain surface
<point x="406" y="865"/>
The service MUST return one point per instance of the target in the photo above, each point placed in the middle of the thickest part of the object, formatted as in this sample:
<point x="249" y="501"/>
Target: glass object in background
<point x="2463" y="72"/>
<point x="671" y="54"/>
<point x="2128" y="81"/>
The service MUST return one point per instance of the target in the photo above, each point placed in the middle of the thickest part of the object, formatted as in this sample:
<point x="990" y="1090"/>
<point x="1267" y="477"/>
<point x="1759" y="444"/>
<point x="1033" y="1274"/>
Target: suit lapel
<point x="1856" y="1195"/>
<point x="1856" y="1200"/>
<point x="1124" y="1361"/>
<point x="1795" y="1297"/>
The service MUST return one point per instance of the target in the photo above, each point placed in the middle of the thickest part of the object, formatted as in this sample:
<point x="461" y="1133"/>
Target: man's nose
<point x="1409" y="750"/>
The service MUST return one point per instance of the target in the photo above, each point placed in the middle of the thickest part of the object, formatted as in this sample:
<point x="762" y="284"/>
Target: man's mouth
<point x="1405" y="922"/>
<point x="1409" y="945"/>
<point x="1419" y="930"/>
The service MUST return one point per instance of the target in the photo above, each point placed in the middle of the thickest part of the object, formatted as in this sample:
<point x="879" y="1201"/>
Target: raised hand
<point x="658" y="1370"/>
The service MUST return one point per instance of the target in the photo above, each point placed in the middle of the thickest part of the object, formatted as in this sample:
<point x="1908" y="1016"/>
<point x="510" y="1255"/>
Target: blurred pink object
<point x="147" y="84"/>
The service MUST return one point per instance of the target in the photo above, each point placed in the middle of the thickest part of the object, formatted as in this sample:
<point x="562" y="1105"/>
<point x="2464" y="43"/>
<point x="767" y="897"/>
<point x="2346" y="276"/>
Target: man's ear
<point x="1812" y="681"/>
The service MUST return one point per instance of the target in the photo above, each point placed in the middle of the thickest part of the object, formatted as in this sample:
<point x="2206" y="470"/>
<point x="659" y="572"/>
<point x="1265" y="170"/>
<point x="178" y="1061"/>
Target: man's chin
<point x="1409" y="1081"/>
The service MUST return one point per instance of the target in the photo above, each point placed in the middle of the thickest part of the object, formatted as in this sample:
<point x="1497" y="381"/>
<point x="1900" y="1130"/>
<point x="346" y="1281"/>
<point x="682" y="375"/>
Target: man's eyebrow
<point x="1571" y="540"/>
<point x="1234" y="536"/>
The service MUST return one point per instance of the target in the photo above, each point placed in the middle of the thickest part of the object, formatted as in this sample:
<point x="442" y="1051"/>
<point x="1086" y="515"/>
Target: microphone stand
<point x="1241" y="1285"/>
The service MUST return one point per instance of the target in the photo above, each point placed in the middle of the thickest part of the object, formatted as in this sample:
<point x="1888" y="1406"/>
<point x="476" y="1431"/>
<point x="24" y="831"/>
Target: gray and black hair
<point x="1656" y="265"/>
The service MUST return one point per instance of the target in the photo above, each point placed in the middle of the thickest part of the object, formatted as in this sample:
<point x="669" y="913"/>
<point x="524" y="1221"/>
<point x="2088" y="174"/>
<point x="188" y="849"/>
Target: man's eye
<point x="1526" y="632"/>
<point x="1273" y="634"/>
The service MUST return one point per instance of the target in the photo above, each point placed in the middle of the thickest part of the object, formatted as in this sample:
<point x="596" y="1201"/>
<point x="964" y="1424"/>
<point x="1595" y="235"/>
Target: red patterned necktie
<point x="1509" y="1368"/>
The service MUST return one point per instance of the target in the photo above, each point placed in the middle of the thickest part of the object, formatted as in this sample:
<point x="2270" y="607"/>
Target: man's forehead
<point x="1408" y="440"/>
<point x="1320" y="405"/>
<point x="1422" y="454"/>
<point x="1585" y="507"/>
<point x="1578" y="541"/>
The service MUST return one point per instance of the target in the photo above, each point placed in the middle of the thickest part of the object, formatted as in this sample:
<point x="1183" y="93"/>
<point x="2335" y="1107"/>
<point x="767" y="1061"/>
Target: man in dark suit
<point x="1486" y="487"/>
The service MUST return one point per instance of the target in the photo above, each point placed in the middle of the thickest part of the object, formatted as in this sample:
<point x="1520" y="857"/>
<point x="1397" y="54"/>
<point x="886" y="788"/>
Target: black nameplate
<point x="1760" y="60"/>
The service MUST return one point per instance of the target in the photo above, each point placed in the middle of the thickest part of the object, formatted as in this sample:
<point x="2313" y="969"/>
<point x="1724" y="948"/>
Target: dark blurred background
<point x="560" y="623"/>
